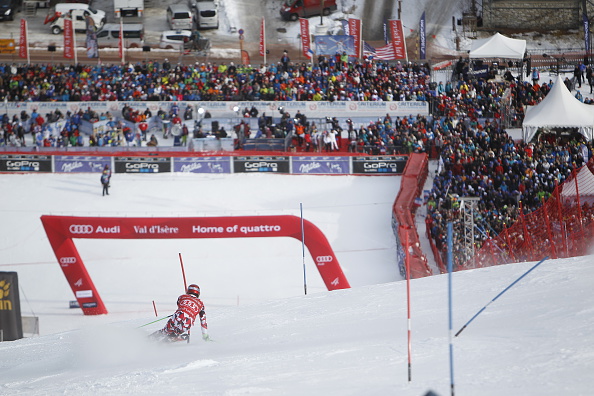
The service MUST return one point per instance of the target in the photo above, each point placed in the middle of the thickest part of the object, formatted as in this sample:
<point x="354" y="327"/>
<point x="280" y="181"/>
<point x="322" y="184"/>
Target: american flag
<point x="384" y="53"/>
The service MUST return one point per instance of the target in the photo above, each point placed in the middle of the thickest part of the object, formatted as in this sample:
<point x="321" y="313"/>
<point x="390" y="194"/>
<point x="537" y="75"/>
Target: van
<point x="292" y="10"/>
<point x="109" y="35"/>
<point x="128" y="8"/>
<point x="78" y="12"/>
<point x="180" y="16"/>
<point x="206" y="15"/>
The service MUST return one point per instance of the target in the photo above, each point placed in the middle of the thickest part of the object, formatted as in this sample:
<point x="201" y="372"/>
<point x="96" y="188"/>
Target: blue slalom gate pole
<point x="499" y="295"/>
<point x="303" y="248"/>
<point x="450" y="270"/>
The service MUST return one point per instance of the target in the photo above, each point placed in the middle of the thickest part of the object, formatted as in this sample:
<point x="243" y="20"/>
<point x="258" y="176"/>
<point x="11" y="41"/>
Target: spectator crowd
<point x="477" y="156"/>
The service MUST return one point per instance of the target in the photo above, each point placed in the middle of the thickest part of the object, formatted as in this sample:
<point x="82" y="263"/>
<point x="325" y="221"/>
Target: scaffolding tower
<point x="468" y="206"/>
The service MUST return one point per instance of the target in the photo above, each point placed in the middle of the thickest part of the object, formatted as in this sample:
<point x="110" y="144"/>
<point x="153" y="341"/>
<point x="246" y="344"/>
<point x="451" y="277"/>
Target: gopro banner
<point x="73" y="163"/>
<point x="142" y="165"/>
<point x="261" y="164"/>
<point x="202" y="164"/>
<point x="321" y="165"/>
<point x="25" y="163"/>
<point x="10" y="307"/>
<point x="380" y="165"/>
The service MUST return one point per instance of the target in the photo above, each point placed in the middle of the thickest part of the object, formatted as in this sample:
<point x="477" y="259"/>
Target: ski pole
<point x="154" y="321"/>
<point x="497" y="296"/>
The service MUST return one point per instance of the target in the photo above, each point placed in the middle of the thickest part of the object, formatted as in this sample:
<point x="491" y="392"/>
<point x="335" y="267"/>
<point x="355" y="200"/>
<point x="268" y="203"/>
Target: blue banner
<point x="71" y="163"/>
<point x="321" y="165"/>
<point x="422" y="38"/>
<point x="331" y="45"/>
<point x="586" y="33"/>
<point x="202" y="164"/>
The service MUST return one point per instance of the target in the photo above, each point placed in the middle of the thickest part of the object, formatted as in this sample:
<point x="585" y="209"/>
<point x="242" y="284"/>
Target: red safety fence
<point x="562" y="227"/>
<point x="403" y="216"/>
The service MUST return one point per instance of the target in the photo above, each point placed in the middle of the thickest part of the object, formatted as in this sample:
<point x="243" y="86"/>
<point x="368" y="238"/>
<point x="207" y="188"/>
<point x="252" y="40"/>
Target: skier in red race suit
<point x="189" y="306"/>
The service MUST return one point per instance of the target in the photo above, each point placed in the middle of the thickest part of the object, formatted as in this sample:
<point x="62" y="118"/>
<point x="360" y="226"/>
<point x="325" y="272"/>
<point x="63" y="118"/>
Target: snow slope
<point x="536" y="339"/>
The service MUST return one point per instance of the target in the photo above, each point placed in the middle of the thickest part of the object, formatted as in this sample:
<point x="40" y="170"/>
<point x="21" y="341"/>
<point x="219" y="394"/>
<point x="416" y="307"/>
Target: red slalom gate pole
<point x="407" y="262"/>
<point x="155" y="308"/>
<point x="181" y="261"/>
<point x="183" y="272"/>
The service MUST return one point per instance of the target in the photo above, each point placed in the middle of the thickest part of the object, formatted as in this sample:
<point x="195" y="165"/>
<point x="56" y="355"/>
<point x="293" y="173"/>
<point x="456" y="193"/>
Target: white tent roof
<point x="557" y="110"/>
<point x="498" y="46"/>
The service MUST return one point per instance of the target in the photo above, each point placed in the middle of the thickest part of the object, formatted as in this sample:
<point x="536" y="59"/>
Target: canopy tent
<point x="498" y="46"/>
<point x="559" y="109"/>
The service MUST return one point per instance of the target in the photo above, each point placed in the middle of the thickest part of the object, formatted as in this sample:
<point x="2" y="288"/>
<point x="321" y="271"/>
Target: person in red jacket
<point x="189" y="306"/>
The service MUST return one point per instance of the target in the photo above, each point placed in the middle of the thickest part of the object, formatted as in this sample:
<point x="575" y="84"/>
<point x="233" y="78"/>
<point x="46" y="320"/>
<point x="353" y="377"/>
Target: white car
<point x="175" y="39"/>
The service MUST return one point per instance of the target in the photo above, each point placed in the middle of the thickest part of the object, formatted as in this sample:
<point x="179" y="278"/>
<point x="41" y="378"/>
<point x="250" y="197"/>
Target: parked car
<point x="292" y="10"/>
<point x="188" y="40"/>
<point x="8" y="8"/>
<point x="180" y="16"/>
<point x="78" y="12"/>
<point x="109" y="35"/>
<point x="206" y="14"/>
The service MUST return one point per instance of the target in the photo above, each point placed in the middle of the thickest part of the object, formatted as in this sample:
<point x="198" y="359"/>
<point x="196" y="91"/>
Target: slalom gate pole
<point x="303" y="249"/>
<point x="497" y="296"/>
<point x="181" y="261"/>
<point x="155" y="308"/>
<point x="155" y="321"/>
<point x="407" y="262"/>
<point x="450" y="270"/>
<point x="183" y="272"/>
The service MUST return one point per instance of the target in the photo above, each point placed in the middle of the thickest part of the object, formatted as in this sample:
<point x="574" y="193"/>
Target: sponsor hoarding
<point x="25" y="163"/>
<point x="75" y="163"/>
<point x="142" y="164"/>
<point x="202" y="164"/>
<point x="321" y="165"/>
<point x="379" y="165"/>
<point x="267" y="164"/>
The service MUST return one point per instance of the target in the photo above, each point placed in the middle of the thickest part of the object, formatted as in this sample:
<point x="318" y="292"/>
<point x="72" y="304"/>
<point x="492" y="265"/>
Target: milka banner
<point x="225" y="109"/>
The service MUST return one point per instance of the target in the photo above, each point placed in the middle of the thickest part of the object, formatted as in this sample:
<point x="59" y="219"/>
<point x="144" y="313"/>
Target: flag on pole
<point x="92" y="45"/>
<point x="355" y="31"/>
<point x="24" y="42"/>
<point x="586" y="33"/>
<point x="121" y="42"/>
<point x="385" y="52"/>
<point x="422" y="38"/>
<point x="305" y="40"/>
<point x="68" y="39"/>
<point x="263" y="38"/>
<point x="398" y="41"/>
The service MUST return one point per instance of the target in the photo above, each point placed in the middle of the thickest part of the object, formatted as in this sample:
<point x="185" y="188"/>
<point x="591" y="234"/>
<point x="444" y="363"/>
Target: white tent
<point x="498" y="46"/>
<point x="559" y="109"/>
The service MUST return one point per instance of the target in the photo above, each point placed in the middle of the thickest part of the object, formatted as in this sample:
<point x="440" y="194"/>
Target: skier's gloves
<point x="205" y="337"/>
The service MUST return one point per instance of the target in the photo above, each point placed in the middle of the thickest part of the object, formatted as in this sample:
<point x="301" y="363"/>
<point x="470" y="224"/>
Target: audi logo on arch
<point x="81" y="229"/>
<point x="67" y="260"/>
<point x="321" y="260"/>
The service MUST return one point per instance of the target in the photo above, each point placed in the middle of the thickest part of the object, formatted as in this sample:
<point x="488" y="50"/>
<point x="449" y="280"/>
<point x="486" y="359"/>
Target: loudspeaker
<point x="214" y="126"/>
<point x="51" y="48"/>
<point x="146" y="48"/>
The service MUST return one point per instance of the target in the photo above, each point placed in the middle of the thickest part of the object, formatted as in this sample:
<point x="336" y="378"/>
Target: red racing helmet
<point x="194" y="289"/>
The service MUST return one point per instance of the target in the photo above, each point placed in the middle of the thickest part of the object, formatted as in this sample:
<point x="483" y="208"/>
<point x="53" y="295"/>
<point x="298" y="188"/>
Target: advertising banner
<point x="61" y="230"/>
<point x="379" y="165"/>
<point x="68" y="39"/>
<point x="398" y="39"/>
<point x="23" y="42"/>
<point x="8" y="46"/>
<point x="355" y="31"/>
<point x="75" y="163"/>
<point x="321" y="165"/>
<point x="10" y="307"/>
<point x="422" y="38"/>
<point x="305" y="40"/>
<point x="142" y="164"/>
<point x="331" y="45"/>
<point x="262" y="46"/>
<point x="202" y="164"/>
<point x="25" y="163"/>
<point x="266" y="164"/>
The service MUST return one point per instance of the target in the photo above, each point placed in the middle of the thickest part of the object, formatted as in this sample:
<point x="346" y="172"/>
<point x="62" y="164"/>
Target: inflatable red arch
<point x="61" y="230"/>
